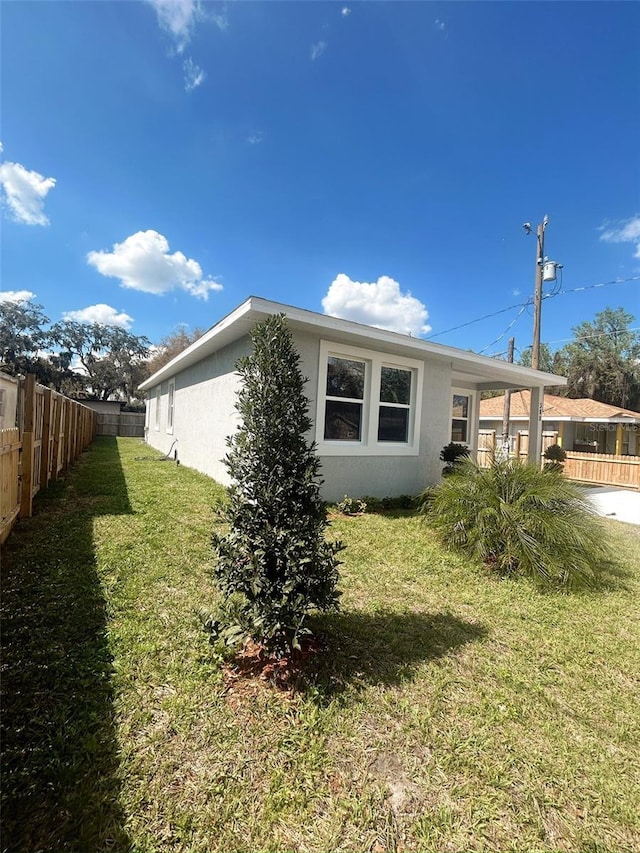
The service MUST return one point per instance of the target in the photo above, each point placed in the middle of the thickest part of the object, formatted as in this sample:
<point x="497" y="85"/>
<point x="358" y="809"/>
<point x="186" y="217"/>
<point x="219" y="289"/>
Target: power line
<point x="499" y="338"/>
<point x="526" y="304"/>
<point x="591" y="286"/>
<point x="477" y="320"/>
<point x="594" y="335"/>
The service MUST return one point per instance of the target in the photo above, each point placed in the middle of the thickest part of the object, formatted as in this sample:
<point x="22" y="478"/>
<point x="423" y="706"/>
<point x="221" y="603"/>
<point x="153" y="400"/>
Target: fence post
<point x="26" y="498"/>
<point x="45" y="451"/>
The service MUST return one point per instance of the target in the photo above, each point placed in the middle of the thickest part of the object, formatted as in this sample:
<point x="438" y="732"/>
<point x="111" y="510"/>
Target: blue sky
<point x="164" y="160"/>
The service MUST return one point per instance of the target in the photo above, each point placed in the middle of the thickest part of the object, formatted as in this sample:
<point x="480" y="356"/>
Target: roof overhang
<point x="578" y="419"/>
<point x="468" y="369"/>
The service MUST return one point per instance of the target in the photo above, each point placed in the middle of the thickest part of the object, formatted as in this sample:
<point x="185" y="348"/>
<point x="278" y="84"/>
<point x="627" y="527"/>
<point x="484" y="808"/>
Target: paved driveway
<point x="619" y="504"/>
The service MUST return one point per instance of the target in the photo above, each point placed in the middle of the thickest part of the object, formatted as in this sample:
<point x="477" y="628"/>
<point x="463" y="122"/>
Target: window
<point x="395" y="394"/>
<point x="345" y="399"/>
<point x="369" y="402"/>
<point x="158" y="400"/>
<point x="171" y="404"/>
<point x="460" y="416"/>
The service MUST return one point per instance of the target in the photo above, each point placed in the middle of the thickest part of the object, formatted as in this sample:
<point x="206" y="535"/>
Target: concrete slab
<point x="619" y="504"/>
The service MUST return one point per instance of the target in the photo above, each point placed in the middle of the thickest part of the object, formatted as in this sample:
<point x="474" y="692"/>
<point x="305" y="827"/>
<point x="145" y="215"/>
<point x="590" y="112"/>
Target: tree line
<point x="82" y="359"/>
<point x="602" y="361"/>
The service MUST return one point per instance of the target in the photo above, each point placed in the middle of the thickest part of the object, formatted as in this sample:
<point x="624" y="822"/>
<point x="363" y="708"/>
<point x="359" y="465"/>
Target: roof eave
<point x="500" y="372"/>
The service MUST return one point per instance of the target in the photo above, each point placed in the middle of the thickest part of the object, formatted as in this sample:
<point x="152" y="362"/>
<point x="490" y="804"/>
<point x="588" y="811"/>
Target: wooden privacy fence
<point x="121" y="423"/>
<point x="53" y="433"/>
<point x="600" y="468"/>
<point x="10" y="479"/>
<point x="604" y="469"/>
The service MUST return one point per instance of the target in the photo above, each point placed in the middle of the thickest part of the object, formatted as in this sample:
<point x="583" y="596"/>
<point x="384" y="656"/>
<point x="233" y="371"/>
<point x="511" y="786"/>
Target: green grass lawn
<point x="451" y="712"/>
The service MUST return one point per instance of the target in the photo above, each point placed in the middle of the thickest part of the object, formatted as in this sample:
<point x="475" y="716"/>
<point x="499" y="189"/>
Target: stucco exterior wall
<point x="204" y="415"/>
<point x="389" y="476"/>
<point x="204" y="412"/>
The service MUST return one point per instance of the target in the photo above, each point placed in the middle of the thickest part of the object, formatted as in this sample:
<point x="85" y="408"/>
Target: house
<point x="9" y="393"/>
<point x="104" y="407"/>
<point x="583" y="425"/>
<point x="383" y="404"/>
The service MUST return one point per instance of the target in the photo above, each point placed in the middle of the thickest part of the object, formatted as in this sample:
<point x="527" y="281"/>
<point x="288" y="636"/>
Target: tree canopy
<point x="171" y="346"/>
<point x="112" y="359"/>
<point x="603" y="360"/>
<point x="111" y="356"/>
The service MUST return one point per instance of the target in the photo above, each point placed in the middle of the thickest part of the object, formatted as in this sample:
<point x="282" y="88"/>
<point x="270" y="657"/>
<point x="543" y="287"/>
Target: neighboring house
<point x="383" y="404"/>
<point x="104" y="407"/>
<point x="583" y="425"/>
<point x="8" y="401"/>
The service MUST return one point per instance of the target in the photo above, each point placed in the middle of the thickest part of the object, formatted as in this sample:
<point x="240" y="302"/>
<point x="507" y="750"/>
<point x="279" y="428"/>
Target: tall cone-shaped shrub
<point x="274" y="564"/>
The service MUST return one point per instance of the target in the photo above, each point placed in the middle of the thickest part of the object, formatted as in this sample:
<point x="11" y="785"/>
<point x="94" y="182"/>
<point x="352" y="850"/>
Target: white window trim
<point x="462" y="392"/>
<point x="171" y="405"/>
<point x="369" y="444"/>
<point x="157" y="413"/>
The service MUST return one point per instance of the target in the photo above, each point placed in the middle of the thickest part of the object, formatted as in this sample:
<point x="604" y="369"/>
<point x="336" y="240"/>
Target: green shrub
<point x="274" y="565"/>
<point x="520" y="520"/>
<point x="555" y="456"/>
<point x="453" y="454"/>
<point x="370" y="503"/>
<point x="352" y="506"/>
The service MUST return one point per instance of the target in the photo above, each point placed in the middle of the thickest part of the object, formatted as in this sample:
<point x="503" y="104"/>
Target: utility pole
<point x="506" y="411"/>
<point x="537" y="294"/>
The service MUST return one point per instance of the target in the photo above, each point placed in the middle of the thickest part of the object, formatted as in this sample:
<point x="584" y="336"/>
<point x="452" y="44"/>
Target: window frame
<point x="158" y="408"/>
<point x="462" y="392"/>
<point x="369" y="443"/>
<point x="171" y="405"/>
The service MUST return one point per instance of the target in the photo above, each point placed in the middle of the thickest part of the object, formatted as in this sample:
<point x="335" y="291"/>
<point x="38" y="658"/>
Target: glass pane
<point x="459" y="431"/>
<point x="345" y="378"/>
<point x="393" y="424"/>
<point x="395" y="386"/>
<point x="342" y="421"/>
<point x="460" y="406"/>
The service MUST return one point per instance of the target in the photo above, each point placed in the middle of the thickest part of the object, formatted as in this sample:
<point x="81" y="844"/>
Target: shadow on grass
<point x="385" y="647"/>
<point x="59" y="754"/>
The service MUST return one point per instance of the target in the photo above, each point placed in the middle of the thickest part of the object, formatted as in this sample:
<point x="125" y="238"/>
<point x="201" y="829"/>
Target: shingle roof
<point x="559" y="407"/>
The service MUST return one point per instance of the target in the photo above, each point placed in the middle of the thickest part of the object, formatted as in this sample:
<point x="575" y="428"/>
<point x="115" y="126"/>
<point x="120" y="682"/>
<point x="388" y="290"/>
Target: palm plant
<point x="520" y="520"/>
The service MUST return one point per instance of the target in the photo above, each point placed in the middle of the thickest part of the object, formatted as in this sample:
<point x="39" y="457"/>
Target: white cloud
<point x="380" y="303"/>
<point x="16" y="295"/>
<point x="194" y="76"/>
<point x="220" y="19"/>
<point x="317" y="50"/>
<point x="25" y="192"/>
<point x="255" y="138"/>
<point x="440" y="25"/>
<point x="142" y="262"/>
<point x="178" y="18"/>
<point x="345" y="11"/>
<point x="515" y="292"/>
<point x="100" y="313"/>
<point x="623" y="232"/>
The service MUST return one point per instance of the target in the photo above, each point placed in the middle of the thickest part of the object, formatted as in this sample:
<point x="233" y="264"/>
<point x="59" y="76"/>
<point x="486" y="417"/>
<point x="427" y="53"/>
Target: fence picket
<point x="53" y="432"/>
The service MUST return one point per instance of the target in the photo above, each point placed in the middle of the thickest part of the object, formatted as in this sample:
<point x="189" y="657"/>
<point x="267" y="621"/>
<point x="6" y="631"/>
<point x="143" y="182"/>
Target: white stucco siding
<point x="204" y="412"/>
<point x="380" y="475"/>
